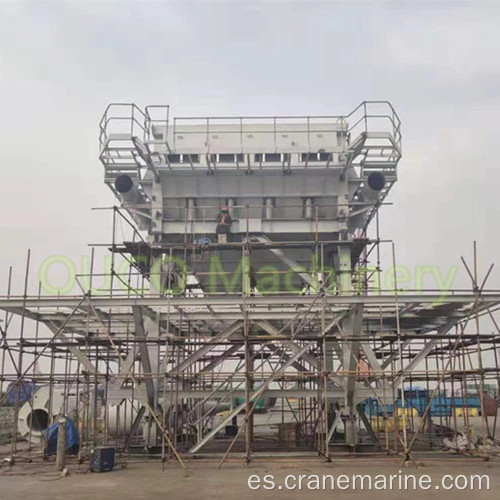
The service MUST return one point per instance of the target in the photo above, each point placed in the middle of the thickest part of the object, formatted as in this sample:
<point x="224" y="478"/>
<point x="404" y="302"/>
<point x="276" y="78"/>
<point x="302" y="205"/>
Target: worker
<point x="224" y="222"/>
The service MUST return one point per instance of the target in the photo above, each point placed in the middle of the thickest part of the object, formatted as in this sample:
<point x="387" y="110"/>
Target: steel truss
<point x="192" y="368"/>
<point x="326" y="364"/>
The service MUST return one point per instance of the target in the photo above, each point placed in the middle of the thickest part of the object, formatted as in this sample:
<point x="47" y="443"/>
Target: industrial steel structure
<point x="274" y="339"/>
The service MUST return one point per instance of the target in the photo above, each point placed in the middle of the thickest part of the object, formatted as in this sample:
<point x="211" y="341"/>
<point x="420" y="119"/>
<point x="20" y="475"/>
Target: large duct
<point x="367" y="195"/>
<point x="121" y="417"/>
<point x="129" y="192"/>
<point x="130" y="195"/>
<point x="40" y="412"/>
<point x="374" y="184"/>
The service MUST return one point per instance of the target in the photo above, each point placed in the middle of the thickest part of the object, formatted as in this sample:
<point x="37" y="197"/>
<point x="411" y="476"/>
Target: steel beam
<point x="362" y="393"/>
<point x="82" y="358"/>
<point x="148" y="353"/>
<point x="351" y="325"/>
<point x="256" y="394"/>
<point x="207" y="347"/>
<point x="423" y="353"/>
<point x="16" y="305"/>
<point x="288" y="261"/>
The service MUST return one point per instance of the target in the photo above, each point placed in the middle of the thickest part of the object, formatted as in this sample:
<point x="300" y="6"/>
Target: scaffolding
<point x="278" y="341"/>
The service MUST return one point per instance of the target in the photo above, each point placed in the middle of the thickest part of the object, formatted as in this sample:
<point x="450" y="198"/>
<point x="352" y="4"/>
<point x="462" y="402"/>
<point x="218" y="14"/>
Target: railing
<point x="157" y="114"/>
<point x="361" y="123"/>
<point x="362" y="118"/>
<point x="128" y="119"/>
<point x="244" y="127"/>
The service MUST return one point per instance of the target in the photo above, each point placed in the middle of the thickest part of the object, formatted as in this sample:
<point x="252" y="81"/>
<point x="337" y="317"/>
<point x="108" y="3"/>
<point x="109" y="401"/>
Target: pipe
<point x="373" y="186"/>
<point x="190" y="214"/>
<point x="130" y="195"/>
<point x="129" y="192"/>
<point x="40" y="413"/>
<point x="61" y="443"/>
<point x="376" y="181"/>
<point x="308" y="208"/>
<point x="120" y="418"/>
<point x="230" y="206"/>
<point x="269" y="208"/>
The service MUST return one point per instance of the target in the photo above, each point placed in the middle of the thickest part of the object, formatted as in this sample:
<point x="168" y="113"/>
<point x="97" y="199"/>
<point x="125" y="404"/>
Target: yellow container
<point x="471" y="412"/>
<point x="409" y="412"/>
<point x="380" y="424"/>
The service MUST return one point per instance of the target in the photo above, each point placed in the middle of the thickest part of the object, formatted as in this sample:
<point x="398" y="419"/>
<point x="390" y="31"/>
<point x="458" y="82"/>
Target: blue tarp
<point x="26" y="389"/>
<point x="72" y="438"/>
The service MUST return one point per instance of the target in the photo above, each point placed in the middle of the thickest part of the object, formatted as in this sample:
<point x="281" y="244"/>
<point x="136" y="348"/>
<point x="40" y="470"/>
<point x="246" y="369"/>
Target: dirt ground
<point x="205" y="481"/>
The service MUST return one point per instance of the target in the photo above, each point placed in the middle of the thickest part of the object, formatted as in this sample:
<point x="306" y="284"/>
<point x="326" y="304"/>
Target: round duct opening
<point x="38" y="420"/>
<point x="376" y="181"/>
<point x="123" y="183"/>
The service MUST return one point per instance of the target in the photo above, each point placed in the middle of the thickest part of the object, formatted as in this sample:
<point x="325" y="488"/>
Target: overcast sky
<point x="61" y="63"/>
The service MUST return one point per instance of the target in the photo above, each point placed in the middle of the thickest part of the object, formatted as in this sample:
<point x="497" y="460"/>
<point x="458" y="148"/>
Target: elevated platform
<point x="286" y="169"/>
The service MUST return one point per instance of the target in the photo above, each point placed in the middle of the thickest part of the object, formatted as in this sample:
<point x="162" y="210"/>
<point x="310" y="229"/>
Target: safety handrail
<point x="129" y="114"/>
<point x="142" y="121"/>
